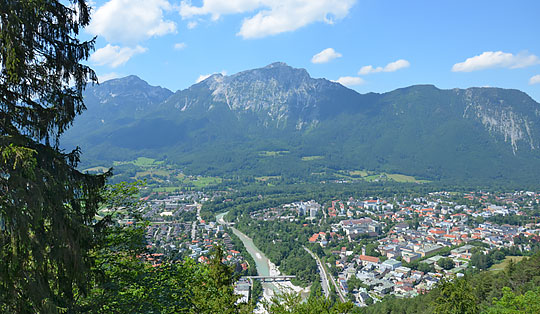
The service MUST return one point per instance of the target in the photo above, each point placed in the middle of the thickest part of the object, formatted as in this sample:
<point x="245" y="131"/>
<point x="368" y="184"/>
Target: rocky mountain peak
<point x="276" y="65"/>
<point x="130" y="89"/>
<point x="129" y="86"/>
<point x="274" y="93"/>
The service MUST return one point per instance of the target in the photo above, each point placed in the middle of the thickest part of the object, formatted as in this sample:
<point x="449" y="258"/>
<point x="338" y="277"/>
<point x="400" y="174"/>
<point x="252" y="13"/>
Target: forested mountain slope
<point x="277" y="120"/>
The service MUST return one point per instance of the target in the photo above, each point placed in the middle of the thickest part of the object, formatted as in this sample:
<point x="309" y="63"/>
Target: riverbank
<point x="286" y="286"/>
<point x="265" y="267"/>
<point x="269" y="289"/>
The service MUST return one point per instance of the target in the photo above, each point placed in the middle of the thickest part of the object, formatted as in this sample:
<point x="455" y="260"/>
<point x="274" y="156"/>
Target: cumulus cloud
<point x="271" y="16"/>
<point x="535" y="80"/>
<point x="350" y="80"/>
<point x="115" y="56"/>
<point x="326" y="55"/>
<point x="216" y="8"/>
<point x="130" y="21"/>
<point x="496" y="59"/>
<point x="396" y="65"/>
<point x="390" y="67"/>
<point x="180" y="46"/>
<point x="203" y="77"/>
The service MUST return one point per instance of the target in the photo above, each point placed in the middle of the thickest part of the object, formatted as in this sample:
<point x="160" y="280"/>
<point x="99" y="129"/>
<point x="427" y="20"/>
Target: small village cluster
<point x="177" y="230"/>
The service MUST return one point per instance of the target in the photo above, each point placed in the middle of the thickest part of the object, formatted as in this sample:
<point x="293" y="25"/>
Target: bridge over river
<point x="270" y="278"/>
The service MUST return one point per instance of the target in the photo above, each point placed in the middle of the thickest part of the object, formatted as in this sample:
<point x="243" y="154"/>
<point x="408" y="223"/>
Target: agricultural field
<point x="140" y="162"/>
<point x="182" y="181"/>
<point x="371" y="176"/>
<point x="358" y="173"/>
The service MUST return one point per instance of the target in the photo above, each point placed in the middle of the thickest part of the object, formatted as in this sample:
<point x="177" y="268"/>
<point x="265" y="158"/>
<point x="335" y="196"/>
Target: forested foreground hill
<point x="277" y="120"/>
<point x="514" y="290"/>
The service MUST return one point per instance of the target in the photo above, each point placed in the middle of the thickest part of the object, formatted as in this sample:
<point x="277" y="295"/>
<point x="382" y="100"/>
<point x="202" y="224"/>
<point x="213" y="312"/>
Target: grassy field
<point x="188" y="181"/>
<point x="371" y="176"/>
<point x="401" y="178"/>
<point x="309" y="158"/>
<point x="168" y="189"/>
<point x="153" y="174"/>
<point x="358" y="173"/>
<point x="201" y="182"/>
<point x="140" y="162"/>
<point x="502" y="265"/>
<point x="345" y="177"/>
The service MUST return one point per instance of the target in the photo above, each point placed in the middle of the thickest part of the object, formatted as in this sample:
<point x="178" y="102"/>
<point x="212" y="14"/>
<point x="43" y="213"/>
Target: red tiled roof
<point x="368" y="258"/>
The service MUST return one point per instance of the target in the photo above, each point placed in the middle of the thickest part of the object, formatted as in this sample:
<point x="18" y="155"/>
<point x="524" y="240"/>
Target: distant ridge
<point x="223" y="123"/>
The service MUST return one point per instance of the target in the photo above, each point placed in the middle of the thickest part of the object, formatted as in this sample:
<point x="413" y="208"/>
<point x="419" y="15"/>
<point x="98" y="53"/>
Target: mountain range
<point x="277" y="120"/>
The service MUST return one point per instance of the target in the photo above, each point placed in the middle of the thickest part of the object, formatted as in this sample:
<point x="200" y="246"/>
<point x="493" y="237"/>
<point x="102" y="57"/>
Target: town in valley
<point x="364" y="249"/>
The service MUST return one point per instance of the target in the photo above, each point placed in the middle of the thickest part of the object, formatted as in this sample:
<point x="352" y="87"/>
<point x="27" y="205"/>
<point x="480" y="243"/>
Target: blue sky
<point x="370" y="46"/>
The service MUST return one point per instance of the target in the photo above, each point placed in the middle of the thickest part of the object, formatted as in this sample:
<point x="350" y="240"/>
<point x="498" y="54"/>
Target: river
<point x="264" y="266"/>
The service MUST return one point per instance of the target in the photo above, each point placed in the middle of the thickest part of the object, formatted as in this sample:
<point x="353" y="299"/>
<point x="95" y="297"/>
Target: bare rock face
<point x="277" y="94"/>
<point x="502" y="118"/>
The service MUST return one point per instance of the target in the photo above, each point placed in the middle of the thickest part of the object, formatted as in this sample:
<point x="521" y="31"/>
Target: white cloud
<point x="114" y="56"/>
<point x="396" y="65"/>
<point x="350" y="80"/>
<point x="180" y="46"/>
<point x="203" y="77"/>
<point x="496" y="59"/>
<point x="326" y="55"/>
<point x="108" y="76"/>
<point x="369" y="69"/>
<point x="130" y="21"/>
<point x="216" y="8"/>
<point x="191" y="25"/>
<point x="535" y="80"/>
<point x="272" y="16"/>
<point x="390" y="67"/>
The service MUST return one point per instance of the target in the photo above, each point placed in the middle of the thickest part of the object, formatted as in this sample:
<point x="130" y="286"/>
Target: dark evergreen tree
<point x="214" y="291"/>
<point x="47" y="207"/>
